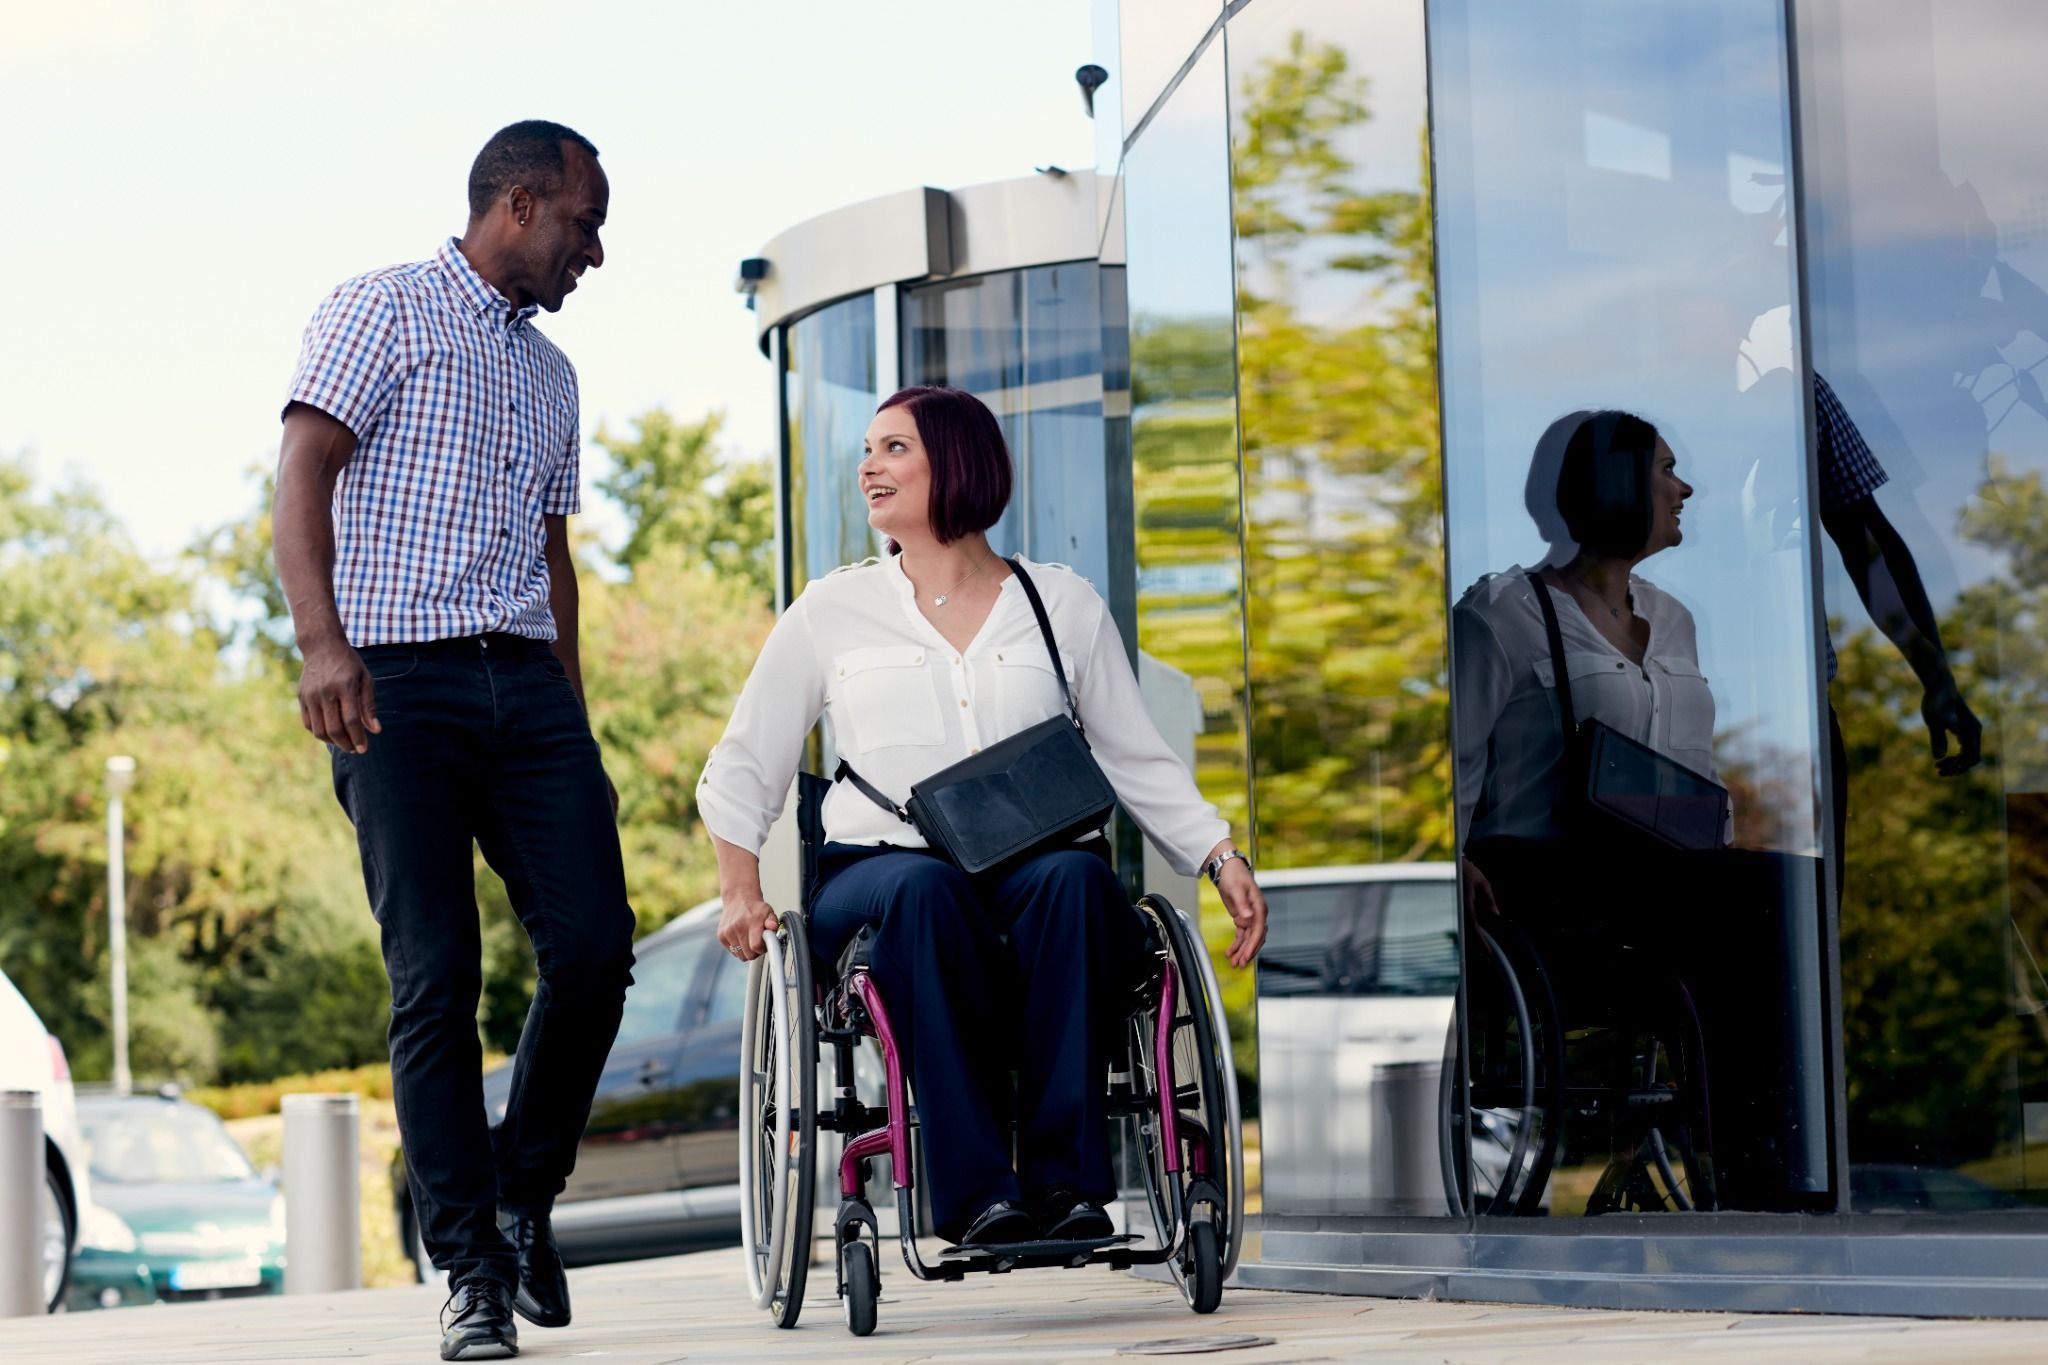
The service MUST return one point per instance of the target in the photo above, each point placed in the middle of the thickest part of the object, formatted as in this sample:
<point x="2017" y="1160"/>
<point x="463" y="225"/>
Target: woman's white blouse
<point x="901" y="704"/>
<point x="1505" y="698"/>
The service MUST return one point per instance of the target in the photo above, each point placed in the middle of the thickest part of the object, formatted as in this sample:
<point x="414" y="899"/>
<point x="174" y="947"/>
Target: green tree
<point x="680" y="495"/>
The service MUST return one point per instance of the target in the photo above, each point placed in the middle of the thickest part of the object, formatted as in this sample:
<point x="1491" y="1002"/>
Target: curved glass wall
<point x="1184" y="457"/>
<point x="1029" y="343"/>
<point x="1926" y="209"/>
<point x="1611" y="232"/>
<point x="1344" y="600"/>
<point x="829" y="398"/>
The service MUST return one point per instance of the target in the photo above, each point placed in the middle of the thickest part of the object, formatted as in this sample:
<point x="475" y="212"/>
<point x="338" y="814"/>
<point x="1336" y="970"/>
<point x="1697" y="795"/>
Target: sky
<point x="190" y="177"/>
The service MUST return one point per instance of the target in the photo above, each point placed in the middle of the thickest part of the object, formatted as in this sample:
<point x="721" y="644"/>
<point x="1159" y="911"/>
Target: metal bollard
<point x="21" y="1203"/>
<point x="322" y="1205"/>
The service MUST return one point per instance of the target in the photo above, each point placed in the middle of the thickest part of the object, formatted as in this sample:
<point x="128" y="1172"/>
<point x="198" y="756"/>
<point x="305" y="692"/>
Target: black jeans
<point x="484" y="743"/>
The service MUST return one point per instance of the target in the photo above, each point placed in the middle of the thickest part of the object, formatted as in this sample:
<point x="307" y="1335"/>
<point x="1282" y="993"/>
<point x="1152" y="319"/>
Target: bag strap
<point x="870" y="791"/>
<point x="1051" y="646"/>
<point x="1567" y="717"/>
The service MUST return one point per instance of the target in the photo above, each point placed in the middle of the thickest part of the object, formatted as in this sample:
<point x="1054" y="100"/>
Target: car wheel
<point x="58" y="1223"/>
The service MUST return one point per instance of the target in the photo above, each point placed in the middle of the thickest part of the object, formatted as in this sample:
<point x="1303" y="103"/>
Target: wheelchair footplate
<point x="1001" y="1257"/>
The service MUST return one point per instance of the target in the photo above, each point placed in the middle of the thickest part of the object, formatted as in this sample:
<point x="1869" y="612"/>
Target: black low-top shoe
<point x="543" y="1294"/>
<point x="1064" y="1216"/>
<point x="1000" y="1224"/>
<point x="482" y="1328"/>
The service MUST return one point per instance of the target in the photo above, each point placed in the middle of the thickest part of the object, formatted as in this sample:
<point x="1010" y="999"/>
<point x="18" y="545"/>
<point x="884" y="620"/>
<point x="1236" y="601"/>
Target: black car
<point x="657" y="1171"/>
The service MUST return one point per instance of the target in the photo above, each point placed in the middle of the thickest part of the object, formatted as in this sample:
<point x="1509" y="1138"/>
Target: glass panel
<point x="1926" y="206"/>
<point x="1345" y="595"/>
<point x="1156" y="37"/>
<point x="1609" y="232"/>
<point x="1184" y="461"/>
<point x="1356" y="994"/>
<point x="1029" y="344"/>
<point x="829" y="386"/>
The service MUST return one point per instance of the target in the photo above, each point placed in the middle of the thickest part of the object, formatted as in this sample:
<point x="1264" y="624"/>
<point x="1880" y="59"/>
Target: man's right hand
<point x="745" y="923"/>
<point x="338" y="698"/>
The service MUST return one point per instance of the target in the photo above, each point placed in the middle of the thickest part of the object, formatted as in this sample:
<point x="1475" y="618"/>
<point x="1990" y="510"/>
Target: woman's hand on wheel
<point x="744" y="925"/>
<point x="1247" y="907"/>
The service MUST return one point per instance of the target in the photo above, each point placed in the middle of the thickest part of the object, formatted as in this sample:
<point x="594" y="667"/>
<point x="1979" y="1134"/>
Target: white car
<point x="1356" y="989"/>
<point x="31" y="1058"/>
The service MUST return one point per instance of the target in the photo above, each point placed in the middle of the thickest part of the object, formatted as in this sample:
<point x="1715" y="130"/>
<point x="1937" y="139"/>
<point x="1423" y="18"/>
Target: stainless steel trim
<point x="927" y="234"/>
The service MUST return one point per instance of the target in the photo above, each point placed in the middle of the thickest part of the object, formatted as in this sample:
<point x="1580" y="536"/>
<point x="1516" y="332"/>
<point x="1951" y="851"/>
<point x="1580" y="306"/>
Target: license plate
<point x="239" y="1274"/>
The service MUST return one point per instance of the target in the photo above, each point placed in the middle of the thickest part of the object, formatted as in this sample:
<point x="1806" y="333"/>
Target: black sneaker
<point x="482" y="1328"/>
<point x="1064" y="1216"/>
<point x="1000" y="1223"/>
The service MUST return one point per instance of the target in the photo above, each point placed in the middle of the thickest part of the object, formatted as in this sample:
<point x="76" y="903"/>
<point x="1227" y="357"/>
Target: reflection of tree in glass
<point x="1942" y="994"/>
<point x="1343" y="472"/>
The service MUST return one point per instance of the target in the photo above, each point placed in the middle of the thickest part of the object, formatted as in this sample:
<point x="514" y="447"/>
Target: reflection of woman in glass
<point x="1629" y="648"/>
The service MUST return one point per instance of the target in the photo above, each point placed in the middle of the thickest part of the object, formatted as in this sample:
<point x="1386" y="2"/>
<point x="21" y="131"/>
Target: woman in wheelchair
<point x="1575" y="916"/>
<point x="918" y="660"/>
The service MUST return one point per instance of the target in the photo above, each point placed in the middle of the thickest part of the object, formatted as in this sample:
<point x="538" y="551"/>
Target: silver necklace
<point x="940" y="600"/>
<point x="1612" y="610"/>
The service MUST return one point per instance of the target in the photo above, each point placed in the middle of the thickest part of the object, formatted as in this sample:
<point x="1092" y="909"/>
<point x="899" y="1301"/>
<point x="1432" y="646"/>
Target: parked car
<point x="31" y="1058"/>
<point x="658" y="1168"/>
<point x="1356" y="989"/>
<point x="179" y="1212"/>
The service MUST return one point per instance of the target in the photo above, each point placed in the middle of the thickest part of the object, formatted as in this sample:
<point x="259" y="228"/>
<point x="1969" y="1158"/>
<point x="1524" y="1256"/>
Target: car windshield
<point x="167" y="1148"/>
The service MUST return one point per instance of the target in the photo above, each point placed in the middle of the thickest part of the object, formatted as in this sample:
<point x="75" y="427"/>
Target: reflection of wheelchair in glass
<point x="1172" y="1092"/>
<point x="1582" y="1046"/>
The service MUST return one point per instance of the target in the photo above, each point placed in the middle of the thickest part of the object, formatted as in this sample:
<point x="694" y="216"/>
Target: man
<point x="428" y="470"/>
<point x="1888" y="581"/>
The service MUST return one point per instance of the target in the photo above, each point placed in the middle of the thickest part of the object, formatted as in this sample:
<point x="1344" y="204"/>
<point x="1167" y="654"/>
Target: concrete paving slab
<point x="693" y="1309"/>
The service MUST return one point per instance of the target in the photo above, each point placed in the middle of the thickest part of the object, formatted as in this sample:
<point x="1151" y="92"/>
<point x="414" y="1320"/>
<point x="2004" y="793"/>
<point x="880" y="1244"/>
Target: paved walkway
<point x="691" y="1308"/>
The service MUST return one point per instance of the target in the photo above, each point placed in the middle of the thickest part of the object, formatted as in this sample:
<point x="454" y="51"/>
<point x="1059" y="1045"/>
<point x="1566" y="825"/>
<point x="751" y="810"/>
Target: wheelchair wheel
<point x="1203" y="1082"/>
<point x="778" y="1121"/>
<point x="863" y="1287"/>
<point x="1499" y="1145"/>
<point x="1204" y="1282"/>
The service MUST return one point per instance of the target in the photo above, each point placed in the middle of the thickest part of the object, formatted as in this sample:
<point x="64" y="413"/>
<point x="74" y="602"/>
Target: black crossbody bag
<point x="1036" y="790"/>
<point x="1617" y="786"/>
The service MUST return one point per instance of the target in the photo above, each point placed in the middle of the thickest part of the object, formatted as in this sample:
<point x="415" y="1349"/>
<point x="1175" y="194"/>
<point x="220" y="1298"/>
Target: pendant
<point x="939" y="601"/>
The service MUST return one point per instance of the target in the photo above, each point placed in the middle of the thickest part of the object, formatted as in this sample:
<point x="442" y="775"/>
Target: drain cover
<point x="1193" y="1346"/>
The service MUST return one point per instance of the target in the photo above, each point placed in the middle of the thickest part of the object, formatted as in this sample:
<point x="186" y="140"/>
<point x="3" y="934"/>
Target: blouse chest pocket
<point x="1692" y="704"/>
<point x="1027" y="690"/>
<point x="885" y="698"/>
<point x="1605" y="687"/>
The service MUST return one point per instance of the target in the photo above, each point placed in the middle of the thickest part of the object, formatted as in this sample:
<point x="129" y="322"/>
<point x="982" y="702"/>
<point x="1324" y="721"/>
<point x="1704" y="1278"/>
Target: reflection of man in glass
<point x="1888" y="581"/>
<point x="1630" y="653"/>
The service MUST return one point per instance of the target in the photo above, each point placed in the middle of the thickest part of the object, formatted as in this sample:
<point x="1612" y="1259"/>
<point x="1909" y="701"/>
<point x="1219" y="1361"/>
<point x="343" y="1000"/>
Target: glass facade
<point x="828" y="398"/>
<point x="1573" y="479"/>
<point x="1344" y="600"/>
<point x="1927" y="244"/>
<point x="1610" y="185"/>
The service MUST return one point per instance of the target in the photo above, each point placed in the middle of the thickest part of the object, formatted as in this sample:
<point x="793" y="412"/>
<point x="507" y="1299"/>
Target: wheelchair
<point x="1576" y="1040"/>
<point x="1172" y="1094"/>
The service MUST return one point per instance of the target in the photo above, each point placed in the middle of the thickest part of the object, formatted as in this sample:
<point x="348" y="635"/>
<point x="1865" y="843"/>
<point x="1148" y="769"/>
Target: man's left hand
<point x="1946" y="713"/>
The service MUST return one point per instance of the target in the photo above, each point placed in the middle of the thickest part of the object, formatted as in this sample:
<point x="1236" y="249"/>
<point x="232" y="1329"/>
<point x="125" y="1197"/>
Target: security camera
<point x="1090" y="78"/>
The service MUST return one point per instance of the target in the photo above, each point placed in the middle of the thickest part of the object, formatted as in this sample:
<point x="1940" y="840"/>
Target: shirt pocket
<point x="1605" y="687"/>
<point x="1691" y="724"/>
<point x="885" y="698"/>
<point x="1027" y="690"/>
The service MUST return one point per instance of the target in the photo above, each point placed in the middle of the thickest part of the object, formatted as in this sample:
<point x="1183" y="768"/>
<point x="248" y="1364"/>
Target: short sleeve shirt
<point x="467" y="434"/>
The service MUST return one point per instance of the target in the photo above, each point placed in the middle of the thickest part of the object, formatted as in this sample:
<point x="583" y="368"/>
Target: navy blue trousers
<point x="485" y="745"/>
<point x="970" y="1008"/>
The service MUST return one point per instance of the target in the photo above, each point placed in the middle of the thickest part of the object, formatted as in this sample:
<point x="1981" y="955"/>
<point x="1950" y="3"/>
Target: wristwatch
<point x="1214" y="867"/>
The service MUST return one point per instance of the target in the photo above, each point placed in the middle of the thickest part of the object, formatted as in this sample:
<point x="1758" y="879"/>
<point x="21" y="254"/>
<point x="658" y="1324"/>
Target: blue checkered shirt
<point x="467" y="432"/>
<point x="1848" y="471"/>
